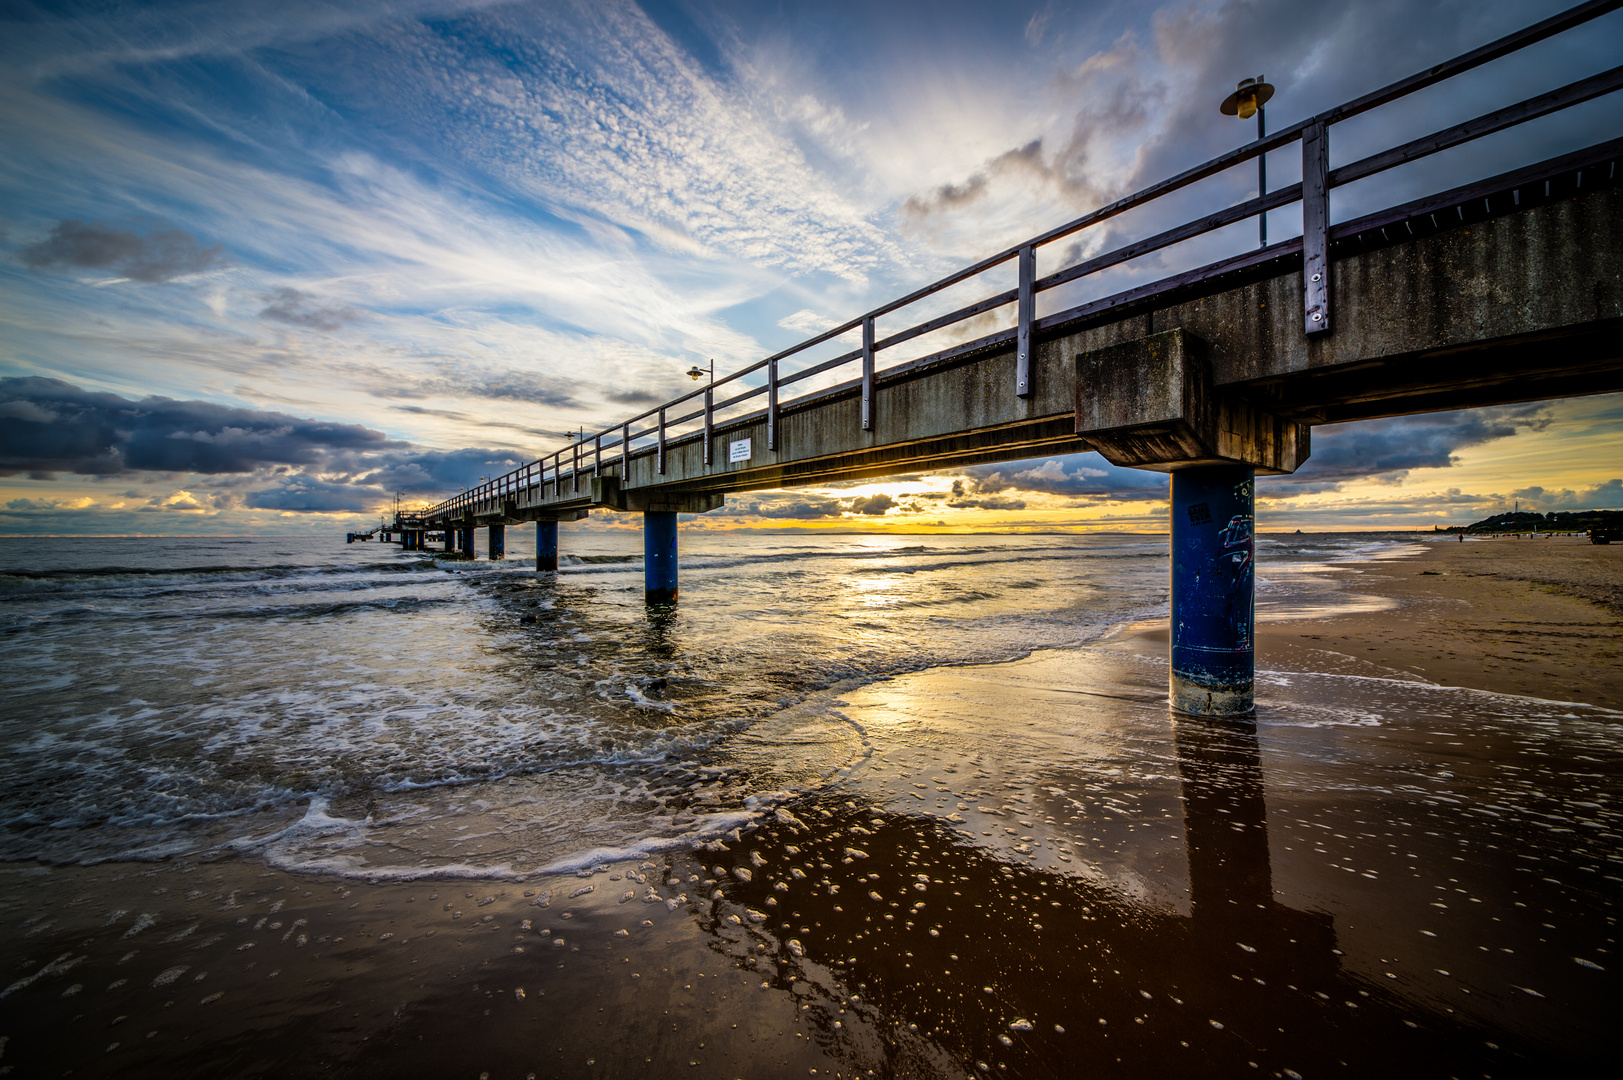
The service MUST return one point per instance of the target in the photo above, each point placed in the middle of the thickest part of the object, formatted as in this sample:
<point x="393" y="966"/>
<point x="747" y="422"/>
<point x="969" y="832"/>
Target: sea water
<point x="333" y="706"/>
<point x="919" y="798"/>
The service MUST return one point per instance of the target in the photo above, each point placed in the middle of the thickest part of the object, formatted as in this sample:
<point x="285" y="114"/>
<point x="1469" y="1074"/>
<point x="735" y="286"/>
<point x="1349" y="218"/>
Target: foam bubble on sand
<point x="661" y="706"/>
<point x="703" y="828"/>
<point x="62" y="964"/>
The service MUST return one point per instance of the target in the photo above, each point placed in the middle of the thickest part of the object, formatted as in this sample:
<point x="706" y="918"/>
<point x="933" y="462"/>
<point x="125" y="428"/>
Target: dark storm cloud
<point x="53" y="426"/>
<point x="993" y="502"/>
<point x="1077" y="475"/>
<point x="1066" y="170"/>
<point x="288" y="305"/>
<point x="788" y="507"/>
<point x="421" y="471"/>
<point x="494" y="423"/>
<point x="1386" y="450"/>
<point x="524" y="387"/>
<point x="260" y="460"/>
<point x="306" y="493"/>
<point x="872" y="506"/>
<point x="1378" y="450"/>
<point x="636" y="397"/>
<point x="1605" y="496"/>
<point x="159" y="255"/>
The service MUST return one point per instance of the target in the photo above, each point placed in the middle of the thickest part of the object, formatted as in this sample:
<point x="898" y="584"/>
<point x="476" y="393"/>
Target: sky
<point x="264" y="266"/>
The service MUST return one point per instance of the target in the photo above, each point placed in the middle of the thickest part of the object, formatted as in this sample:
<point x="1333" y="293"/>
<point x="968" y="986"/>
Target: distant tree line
<point x="1531" y="521"/>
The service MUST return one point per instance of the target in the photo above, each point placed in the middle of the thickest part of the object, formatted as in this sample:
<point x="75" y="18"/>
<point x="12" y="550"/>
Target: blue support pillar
<point x="464" y="543"/>
<point x="450" y="537"/>
<point x="1213" y="590"/>
<point x="498" y="541"/>
<point x="659" y="555"/>
<point x="546" y="545"/>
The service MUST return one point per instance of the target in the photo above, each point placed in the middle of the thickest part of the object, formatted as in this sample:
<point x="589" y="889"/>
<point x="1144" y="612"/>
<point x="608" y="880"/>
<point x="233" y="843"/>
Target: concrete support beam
<point x="464" y="542"/>
<point x="546" y="546"/>
<point x="1150" y="404"/>
<point x="498" y="540"/>
<point x="450" y="538"/>
<point x="607" y="491"/>
<point x="1213" y="591"/>
<point x="659" y="555"/>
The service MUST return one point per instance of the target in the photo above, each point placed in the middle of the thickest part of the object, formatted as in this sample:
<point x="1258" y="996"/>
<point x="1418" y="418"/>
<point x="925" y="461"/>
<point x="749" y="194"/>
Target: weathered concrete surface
<point x="1522" y="306"/>
<point x="1150" y="404"/>
<point x="607" y="492"/>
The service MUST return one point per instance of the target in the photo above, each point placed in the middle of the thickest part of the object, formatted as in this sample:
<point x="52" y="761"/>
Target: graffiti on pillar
<point x="1237" y="535"/>
<point x="1238" y="543"/>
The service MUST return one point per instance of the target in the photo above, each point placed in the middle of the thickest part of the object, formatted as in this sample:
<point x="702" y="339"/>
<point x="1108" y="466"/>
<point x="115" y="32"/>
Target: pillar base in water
<point x="498" y="541"/>
<point x="659" y="556"/>
<point x="1199" y="699"/>
<point x="1213" y="591"/>
<point x="546" y="545"/>
<point x="464" y="543"/>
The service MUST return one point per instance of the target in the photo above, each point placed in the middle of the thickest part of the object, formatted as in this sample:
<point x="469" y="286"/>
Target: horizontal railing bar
<point x="1283" y="249"/>
<point x="1522" y="38"/>
<point x="1567" y="96"/>
<point x="980" y="306"/>
<point x="1599" y="153"/>
<point x="1188" y="231"/>
<point x="818" y="369"/>
<point x="745" y="396"/>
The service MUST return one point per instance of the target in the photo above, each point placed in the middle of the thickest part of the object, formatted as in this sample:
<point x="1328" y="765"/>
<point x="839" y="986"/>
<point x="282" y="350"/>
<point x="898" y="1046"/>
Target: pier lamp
<point x="1248" y="99"/>
<point x="696" y="372"/>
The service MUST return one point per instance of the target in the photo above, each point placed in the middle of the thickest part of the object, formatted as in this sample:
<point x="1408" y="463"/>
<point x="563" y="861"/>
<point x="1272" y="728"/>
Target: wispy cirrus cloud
<point x="485" y="225"/>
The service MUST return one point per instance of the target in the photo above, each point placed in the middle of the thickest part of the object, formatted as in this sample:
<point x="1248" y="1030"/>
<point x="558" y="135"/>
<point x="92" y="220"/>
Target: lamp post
<point x="696" y="372"/>
<point x="1248" y="99"/>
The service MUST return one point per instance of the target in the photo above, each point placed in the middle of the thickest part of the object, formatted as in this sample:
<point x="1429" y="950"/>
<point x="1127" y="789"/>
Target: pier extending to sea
<point x="1506" y="289"/>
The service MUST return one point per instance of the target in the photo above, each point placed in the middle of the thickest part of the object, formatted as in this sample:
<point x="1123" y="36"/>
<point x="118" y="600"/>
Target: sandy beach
<point x="1542" y="618"/>
<point x="1032" y="871"/>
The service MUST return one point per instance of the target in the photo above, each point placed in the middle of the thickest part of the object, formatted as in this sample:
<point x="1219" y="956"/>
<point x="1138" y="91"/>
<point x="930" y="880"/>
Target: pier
<point x="1506" y="289"/>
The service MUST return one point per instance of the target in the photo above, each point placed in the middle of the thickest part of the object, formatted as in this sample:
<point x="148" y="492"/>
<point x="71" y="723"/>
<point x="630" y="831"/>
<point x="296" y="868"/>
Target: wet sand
<point x="1035" y="871"/>
<point x="1542" y="618"/>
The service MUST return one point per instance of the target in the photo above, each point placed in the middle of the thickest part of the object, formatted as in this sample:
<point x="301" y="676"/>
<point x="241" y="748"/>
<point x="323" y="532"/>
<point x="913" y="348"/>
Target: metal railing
<point x="1313" y="191"/>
